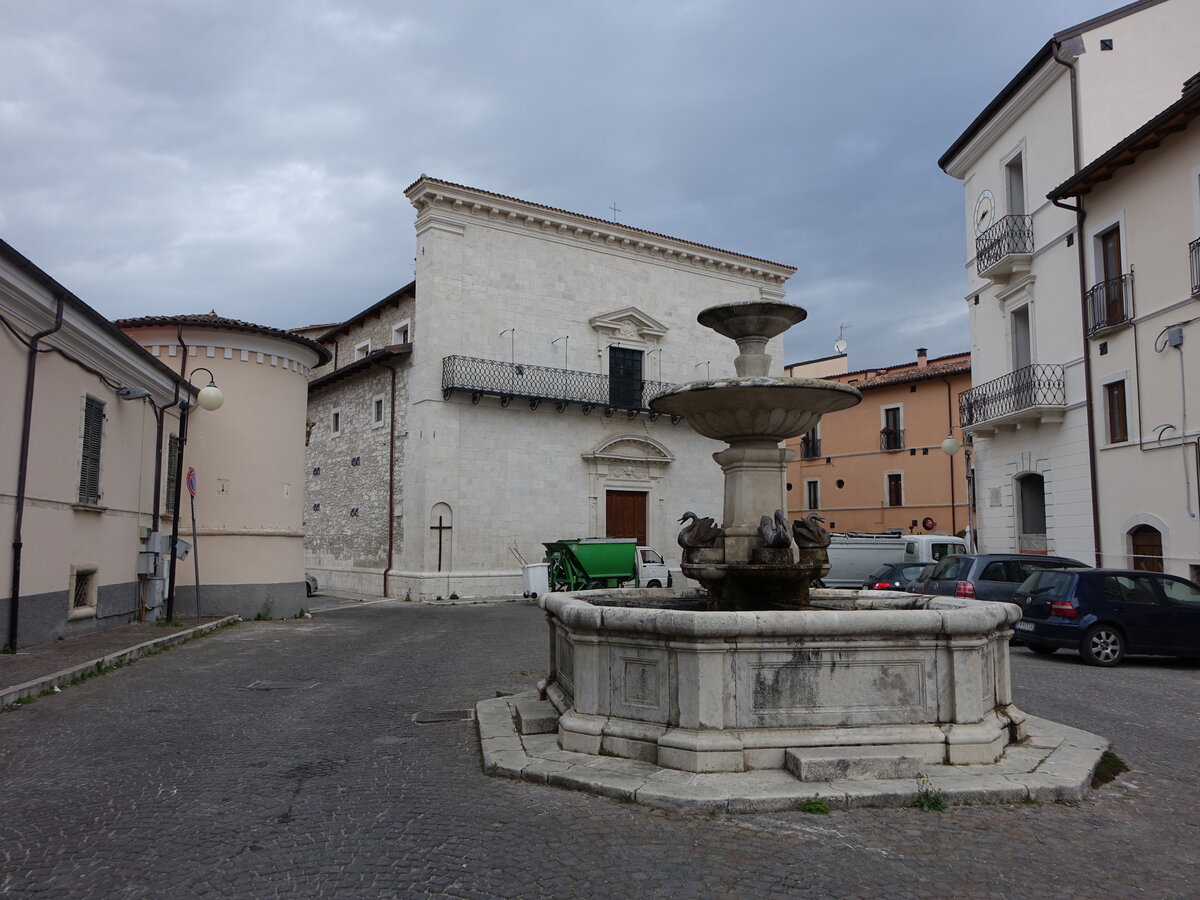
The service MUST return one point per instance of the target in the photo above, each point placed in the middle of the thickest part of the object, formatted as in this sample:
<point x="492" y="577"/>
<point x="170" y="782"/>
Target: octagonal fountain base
<point x="652" y="675"/>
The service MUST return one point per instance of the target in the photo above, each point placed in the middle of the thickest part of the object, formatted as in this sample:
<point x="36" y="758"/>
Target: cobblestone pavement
<point x="281" y="759"/>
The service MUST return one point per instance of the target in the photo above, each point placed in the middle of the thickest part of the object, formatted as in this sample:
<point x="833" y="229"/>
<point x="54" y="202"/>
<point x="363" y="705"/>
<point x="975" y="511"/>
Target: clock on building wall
<point x="985" y="212"/>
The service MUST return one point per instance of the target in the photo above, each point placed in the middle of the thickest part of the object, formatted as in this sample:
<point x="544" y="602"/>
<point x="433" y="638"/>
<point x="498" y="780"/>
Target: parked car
<point x="1107" y="613"/>
<point x="917" y="584"/>
<point x="310" y="584"/>
<point x="989" y="576"/>
<point x="892" y="576"/>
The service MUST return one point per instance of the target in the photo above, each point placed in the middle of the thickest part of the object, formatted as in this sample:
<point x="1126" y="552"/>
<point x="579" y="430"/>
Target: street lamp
<point x="951" y="446"/>
<point x="209" y="398"/>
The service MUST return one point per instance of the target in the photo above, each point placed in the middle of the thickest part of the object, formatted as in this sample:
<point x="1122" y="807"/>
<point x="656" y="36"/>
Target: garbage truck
<point x="579" y="564"/>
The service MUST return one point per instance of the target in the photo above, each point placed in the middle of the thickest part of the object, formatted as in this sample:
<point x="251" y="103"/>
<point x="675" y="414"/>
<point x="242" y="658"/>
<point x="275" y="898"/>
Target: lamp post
<point x="951" y="446"/>
<point x="210" y="398"/>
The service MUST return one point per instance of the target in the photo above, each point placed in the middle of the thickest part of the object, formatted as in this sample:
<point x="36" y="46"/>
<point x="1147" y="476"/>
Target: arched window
<point x="1146" y="549"/>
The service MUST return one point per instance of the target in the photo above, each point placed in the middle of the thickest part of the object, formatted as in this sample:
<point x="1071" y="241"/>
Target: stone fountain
<point x="758" y="671"/>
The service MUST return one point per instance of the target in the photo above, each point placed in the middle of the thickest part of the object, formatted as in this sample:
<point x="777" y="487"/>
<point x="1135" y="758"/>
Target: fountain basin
<point x="759" y="408"/>
<point x="701" y="691"/>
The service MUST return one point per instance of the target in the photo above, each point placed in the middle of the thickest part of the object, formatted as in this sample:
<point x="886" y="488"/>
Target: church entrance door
<point x="625" y="515"/>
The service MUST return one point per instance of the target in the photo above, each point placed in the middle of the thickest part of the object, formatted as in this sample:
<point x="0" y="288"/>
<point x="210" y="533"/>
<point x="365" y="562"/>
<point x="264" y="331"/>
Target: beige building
<point x="1032" y="408"/>
<point x="500" y="400"/>
<point x="880" y="465"/>
<point x="78" y="463"/>
<point x="1139" y="208"/>
<point x="248" y="457"/>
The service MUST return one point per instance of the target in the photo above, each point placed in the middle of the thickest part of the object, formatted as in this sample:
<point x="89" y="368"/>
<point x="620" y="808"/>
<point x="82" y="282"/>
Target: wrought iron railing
<point x="1031" y="386"/>
<point x="1010" y="234"/>
<point x="810" y="447"/>
<point x="536" y="384"/>
<point x="1108" y="303"/>
<point x="891" y="439"/>
<point x="1194" y="252"/>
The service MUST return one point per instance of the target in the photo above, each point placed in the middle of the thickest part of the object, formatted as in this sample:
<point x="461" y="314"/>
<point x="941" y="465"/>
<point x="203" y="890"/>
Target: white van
<point x="855" y="555"/>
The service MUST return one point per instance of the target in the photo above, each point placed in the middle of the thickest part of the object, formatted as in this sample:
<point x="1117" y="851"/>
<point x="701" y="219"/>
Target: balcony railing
<point x="1194" y="252"/>
<point x="1030" y="388"/>
<point x="1108" y="303"/>
<point x="810" y="448"/>
<point x="891" y="439"/>
<point x="536" y="384"/>
<point x="1010" y="235"/>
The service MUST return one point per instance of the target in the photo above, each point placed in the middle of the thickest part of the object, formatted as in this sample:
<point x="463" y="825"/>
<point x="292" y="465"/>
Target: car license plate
<point x="1024" y="626"/>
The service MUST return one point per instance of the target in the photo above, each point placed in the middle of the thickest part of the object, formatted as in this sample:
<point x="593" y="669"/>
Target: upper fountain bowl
<point x="762" y="319"/>
<point x="762" y="408"/>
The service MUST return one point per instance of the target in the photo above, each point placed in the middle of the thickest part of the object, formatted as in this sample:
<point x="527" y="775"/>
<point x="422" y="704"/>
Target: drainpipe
<point x="391" y="510"/>
<point x="14" y="601"/>
<point x="1083" y="310"/>
<point x="183" y="420"/>
<point x="950" y="457"/>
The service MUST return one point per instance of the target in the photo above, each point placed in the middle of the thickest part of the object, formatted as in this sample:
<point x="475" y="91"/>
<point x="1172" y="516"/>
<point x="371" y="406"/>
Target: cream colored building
<point x="1141" y="220"/>
<point x="77" y="463"/>
<point x="248" y="457"/>
<point x="1032" y="404"/>
<point x="499" y="401"/>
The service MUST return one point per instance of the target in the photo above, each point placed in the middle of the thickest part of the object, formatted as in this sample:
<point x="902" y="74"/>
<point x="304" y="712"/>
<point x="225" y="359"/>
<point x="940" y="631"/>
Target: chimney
<point x="922" y="357"/>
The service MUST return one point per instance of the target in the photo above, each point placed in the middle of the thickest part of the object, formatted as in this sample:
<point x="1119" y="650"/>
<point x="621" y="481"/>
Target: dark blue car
<point x="1107" y="613"/>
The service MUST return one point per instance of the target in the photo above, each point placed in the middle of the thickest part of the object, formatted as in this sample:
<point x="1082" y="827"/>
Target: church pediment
<point x="631" y="449"/>
<point x="629" y="322"/>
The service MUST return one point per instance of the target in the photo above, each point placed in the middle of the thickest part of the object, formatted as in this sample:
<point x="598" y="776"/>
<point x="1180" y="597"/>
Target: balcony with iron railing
<point x="1033" y="394"/>
<point x="1194" y="253"/>
<point x="1005" y="249"/>
<point x="538" y="384"/>
<point x="810" y="447"/>
<point x="891" y="439"/>
<point x="1108" y="305"/>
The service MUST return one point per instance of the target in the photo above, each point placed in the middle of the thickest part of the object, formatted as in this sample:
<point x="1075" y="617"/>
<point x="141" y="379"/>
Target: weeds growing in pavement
<point x="1109" y="767"/>
<point x="929" y="796"/>
<point x="815" y="805"/>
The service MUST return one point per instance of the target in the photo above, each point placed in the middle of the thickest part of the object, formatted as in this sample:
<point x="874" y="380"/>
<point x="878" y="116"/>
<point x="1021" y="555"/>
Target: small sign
<point x="191" y="482"/>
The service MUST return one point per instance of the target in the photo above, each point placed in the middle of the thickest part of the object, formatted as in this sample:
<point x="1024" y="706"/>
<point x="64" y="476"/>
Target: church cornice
<point x="434" y="199"/>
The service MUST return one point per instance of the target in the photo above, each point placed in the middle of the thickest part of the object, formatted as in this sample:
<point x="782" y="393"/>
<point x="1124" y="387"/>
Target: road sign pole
<point x="191" y="486"/>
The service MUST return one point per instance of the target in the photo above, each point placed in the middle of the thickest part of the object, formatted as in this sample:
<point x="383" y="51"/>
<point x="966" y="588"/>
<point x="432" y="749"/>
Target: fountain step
<point x="852" y="763"/>
<point x="536" y="717"/>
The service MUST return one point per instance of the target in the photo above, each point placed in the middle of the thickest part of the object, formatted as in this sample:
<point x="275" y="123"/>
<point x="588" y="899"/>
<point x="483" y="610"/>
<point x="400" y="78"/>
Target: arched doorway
<point x="1031" y="513"/>
<point x="1146" y="549"/>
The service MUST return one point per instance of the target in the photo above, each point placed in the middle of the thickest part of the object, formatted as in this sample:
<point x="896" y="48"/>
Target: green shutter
<point x="89" y="464"/>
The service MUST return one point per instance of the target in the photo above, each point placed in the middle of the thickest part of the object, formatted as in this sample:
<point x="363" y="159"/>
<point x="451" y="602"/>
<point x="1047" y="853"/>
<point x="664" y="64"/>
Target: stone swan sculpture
<point x="700" y="533"/>
<point x="810" y="533"/>
<point x="775" y="532"/>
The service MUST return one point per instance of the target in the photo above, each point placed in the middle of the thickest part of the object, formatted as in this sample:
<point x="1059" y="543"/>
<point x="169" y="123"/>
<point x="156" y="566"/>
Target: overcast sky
<point x="176" y="156"/>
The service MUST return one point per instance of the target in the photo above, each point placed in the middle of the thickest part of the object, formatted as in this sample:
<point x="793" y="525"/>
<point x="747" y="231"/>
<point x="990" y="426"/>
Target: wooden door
<point x="625" y="515"/>
<point x="1146" y="544"/>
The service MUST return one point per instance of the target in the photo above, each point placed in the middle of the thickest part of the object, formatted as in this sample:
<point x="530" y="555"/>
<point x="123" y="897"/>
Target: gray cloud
<point x="178" y="156"/>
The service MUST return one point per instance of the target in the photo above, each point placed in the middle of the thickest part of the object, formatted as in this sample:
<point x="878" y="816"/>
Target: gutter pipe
<point x="14" y="601"/>
<point x="1083" y="310"/>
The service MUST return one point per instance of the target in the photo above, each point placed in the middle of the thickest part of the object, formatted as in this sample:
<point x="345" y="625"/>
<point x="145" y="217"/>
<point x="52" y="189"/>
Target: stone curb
<point x="96" y="666"/>
<point x="1055" y="764"/>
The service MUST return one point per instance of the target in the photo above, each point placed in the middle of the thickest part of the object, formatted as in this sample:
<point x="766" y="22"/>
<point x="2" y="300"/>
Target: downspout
<point x="391" y="510"/>
<point x="183" y="417"/>
<point x="949" y="457"/>
<point x="23" y="471"/>
<point x="1083" y="310"/>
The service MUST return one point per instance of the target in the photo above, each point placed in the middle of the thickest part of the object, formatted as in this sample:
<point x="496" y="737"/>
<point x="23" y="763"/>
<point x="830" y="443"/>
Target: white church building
<point x="500" y="400"/>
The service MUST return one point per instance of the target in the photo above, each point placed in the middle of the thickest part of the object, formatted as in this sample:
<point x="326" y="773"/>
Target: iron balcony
<point x="538" y="384"/>
<point x="1005" y="247"/>
<point x="1194" y="253"/>
<point x="1108" y="304"/>
<point x="1035" y="393"/>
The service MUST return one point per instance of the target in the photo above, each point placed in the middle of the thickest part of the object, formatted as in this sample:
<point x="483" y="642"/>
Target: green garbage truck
<point x="580" y="564"/>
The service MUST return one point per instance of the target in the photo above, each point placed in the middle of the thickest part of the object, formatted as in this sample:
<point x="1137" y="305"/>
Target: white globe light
<point x="950" y="446"/>
<point x="210" y="397"/>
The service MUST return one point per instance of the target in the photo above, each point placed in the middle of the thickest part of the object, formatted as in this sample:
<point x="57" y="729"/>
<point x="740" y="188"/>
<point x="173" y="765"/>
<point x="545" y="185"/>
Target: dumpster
<point x="536" y="578"/>
<point x="590" y="563"/>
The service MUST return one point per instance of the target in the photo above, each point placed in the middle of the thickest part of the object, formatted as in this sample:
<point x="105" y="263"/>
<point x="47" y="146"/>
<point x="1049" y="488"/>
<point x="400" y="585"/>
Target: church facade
<point x="500" y="400"/>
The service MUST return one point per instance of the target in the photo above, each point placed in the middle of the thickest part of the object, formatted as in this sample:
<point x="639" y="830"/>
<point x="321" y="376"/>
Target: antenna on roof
<point x="839" y="346"/>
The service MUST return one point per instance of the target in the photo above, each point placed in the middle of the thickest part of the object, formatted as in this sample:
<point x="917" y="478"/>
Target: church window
<point x="625" y="384"/>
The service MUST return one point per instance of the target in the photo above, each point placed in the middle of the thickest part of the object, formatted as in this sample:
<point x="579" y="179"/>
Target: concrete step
<point x="536" y="717"/>
<point x="852" y="763"/>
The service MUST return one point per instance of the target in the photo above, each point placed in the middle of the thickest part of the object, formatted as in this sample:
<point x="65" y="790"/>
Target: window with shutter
<point x="172" y="472"/>
<point x="89" y="464"/>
